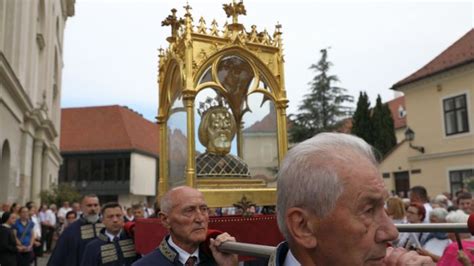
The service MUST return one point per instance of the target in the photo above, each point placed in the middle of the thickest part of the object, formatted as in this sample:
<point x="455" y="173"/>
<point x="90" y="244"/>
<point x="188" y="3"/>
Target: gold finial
<point x="253" y="34"/>
<point x="214" y="30"/>
<point x="235" y="9"/>
<point x="225" y="31"/>
<point x="187" y="7"/>
<point x="265" y="37"/>
<point x="161" y="52"/>
<point x="278" y="28"/>
<point x="202" y="26"/>
<point x="174" y="22"/>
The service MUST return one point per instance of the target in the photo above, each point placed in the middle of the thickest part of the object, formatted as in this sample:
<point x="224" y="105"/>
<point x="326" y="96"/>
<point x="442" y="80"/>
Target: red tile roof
<point x="345" y="125"/>
<point x="394" y="105"/>
<point x="459" y="53"/>
<point x="106" y="128"/>
<point x="267" y="124"/>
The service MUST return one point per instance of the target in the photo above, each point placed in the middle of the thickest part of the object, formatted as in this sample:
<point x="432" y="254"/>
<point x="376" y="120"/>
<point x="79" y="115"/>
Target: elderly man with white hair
<point x="185" y="214"/>
<point x="330" y="207"/>
<point x="440" y="201"/>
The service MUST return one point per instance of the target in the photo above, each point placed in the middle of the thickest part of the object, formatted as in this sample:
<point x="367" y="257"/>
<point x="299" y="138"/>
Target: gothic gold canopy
<point x="235" y="62"/>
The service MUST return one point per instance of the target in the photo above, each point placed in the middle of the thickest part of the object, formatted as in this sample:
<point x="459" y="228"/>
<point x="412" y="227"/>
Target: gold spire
<point x="235" y="9"/>
<point x="187" y="7"/>
<point x="174" y="22"/>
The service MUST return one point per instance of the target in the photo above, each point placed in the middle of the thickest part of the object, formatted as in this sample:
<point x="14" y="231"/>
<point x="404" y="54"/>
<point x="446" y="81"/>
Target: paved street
<point x="43" y="260"/>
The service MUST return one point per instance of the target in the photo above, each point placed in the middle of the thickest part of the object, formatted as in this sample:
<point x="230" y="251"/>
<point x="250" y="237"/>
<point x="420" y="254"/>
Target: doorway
<point x="402" y="183"/>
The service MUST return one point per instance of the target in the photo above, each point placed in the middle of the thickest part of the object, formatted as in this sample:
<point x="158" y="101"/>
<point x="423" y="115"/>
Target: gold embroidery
<point x="86" y="236"/>
<point x="125" y="242"/>
<point x="127" y="248"/>
<point x="86" y="227"/>
<point x="129" y="254"/>
<point x="109" y="259"/>
<point x="167" y="251"/>
<point x="106" y="253"/>
<point x="107" y="247"/>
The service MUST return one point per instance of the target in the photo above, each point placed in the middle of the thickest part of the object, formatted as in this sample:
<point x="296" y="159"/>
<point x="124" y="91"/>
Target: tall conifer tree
<point x="361" y="124"/>
<point x="383" y="128"/>
<point x="323" y="106"/>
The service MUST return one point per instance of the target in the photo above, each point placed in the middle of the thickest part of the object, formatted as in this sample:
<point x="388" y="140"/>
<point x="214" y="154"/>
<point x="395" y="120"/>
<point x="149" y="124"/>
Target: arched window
<point x="4" y="171"/>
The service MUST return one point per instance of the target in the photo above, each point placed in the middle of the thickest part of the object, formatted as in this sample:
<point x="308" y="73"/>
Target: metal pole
<point x="443" y="227"/>
<point x="247" y="249"/>
<point x="263" y="251"/>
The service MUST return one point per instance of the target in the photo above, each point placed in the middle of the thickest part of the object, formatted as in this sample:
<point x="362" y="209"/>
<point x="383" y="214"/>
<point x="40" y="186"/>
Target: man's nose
<point x="200" y="215"/>
<point x="386" y="231"/>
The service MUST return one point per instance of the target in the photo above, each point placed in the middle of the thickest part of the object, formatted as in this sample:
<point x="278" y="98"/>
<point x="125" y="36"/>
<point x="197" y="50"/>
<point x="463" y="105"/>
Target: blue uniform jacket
<point x="279" y="256"/>
<point x="164" y="255"/>
<point x="72" y="242"/>
<point x="102" y="251"/>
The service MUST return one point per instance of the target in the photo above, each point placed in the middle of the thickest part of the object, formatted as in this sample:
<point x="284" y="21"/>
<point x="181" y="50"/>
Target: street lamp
<point x="410" y="136"/>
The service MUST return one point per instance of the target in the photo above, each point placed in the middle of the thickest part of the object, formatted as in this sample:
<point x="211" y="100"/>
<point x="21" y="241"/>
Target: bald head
<point x="174" y="196"/>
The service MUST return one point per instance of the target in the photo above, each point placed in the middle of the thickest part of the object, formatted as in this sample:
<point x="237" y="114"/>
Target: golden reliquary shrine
<point x="222" y="108"/>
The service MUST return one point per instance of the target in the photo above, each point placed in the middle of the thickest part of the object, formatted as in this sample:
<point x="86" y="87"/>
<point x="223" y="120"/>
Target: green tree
<point x="383" y="128"/>
<point x="59" y="193"/>
<point x="322" y="107"/>
<point x="361" y="124"/>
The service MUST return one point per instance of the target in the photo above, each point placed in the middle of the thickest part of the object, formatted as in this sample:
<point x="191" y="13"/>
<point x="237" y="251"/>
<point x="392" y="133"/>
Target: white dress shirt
<point x="37" y="226"/>
<point x="290" y="260"/>
<point x="111" y="237"/>
<point x="50" y="217"/>
<point x="182" y="254"/>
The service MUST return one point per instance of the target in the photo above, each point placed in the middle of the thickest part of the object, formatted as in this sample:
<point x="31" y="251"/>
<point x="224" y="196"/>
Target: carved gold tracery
<point x="234" y="62"/>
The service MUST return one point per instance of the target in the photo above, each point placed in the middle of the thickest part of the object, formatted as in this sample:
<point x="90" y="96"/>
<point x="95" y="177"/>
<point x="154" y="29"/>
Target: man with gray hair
<point x="72" y="242"/>
<point x="330" y="206"/>
<point x="185" y="214"/>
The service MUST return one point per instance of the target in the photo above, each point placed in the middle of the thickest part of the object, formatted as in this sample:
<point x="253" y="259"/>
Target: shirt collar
<point x="6" y="225"/>
<point x="182" y="254"/>
<point x="111" y="237"/>
<point x="290" y="260"/>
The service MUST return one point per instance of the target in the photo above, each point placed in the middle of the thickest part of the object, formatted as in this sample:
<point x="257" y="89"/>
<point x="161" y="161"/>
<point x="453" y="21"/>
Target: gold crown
<point x="211" y="103"/>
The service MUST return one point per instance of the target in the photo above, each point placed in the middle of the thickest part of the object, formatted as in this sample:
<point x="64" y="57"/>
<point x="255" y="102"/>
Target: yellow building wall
<point x="400" y="134"/>
<point x="435" y="172"/>
<point x="425" y="116"/>
<point x="424" y="104"/>
<point x="395" y="162"/>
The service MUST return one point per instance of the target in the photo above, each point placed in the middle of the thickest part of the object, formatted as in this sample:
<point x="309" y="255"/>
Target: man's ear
<point x="164" y="220"/>
<point x="302" y="226"/>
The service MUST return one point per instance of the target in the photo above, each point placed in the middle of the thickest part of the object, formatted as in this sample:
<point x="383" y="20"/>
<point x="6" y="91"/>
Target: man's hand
<point x="223" y="259"/>
<point x="400" y="256"/>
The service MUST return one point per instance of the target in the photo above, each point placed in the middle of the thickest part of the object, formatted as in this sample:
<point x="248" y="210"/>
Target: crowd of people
<point x="332" y="209"/>
<point x="27" y="232"/>
<point x="443" y="208"/>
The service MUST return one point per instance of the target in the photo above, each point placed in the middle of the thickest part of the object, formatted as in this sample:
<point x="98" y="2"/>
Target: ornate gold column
<point x="281" y="106"/>
<point x="240" y="140"/>
<point x="188" y="99"/>
<point x="162" y="185"/>
<point x="189" y="95"/>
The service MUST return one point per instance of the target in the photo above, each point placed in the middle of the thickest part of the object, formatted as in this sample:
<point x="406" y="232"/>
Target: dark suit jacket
<point x="164" y="255"/>
<point x="8" y="250"/>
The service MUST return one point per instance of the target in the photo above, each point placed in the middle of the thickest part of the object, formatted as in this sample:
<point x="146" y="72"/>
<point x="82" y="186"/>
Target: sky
<point x="110" y="46"/>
